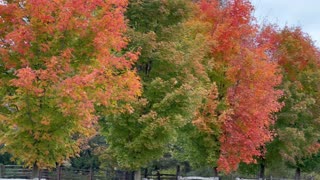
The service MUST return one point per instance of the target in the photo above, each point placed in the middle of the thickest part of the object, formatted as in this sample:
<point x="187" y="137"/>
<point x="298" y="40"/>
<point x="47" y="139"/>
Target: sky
<point x="303" y="13"/>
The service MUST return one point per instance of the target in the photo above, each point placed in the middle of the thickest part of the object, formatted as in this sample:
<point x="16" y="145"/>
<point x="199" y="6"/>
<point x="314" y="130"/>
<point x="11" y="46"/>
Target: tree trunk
<point x="137" y="175"/>
<point x="187" y="167"/>
<point x="178" y="172"/>
<point x="215" y="172"/>
<point x="262" y="170"/>
<point x="158" y="175"/>
<point x="146" y="173"/>
<point x="298" y="174"/>
<point x="35" y="171"/>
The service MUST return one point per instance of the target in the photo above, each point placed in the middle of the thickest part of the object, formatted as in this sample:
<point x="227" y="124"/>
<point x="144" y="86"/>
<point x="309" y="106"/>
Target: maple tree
<point x="250" y="96"/>
<point x="211" y="83"/>
<point x="62" y="66"/>
<point x="297" y="127"/>
<point x="170" y="73"/>
<point x="197" y="140"/>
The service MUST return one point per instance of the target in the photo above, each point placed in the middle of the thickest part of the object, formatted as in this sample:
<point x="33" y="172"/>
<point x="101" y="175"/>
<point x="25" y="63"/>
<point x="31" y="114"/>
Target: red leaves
<point x="26" y="81"/>
<point x="100" y="21"/>
<point x="26" y="77"/>
<point x="20" y="39"/>
<point x="252" y="98"/>
<point x="230" y="24"/>
<point x="69" y="62"/>
<point x="295" y="51"/>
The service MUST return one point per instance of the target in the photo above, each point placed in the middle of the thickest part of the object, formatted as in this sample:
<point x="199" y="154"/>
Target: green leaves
<point x="154" y="15"/>
<point x="62" y="66"/>
<point x="297" y="125"/>
<point x="171" y="88"/>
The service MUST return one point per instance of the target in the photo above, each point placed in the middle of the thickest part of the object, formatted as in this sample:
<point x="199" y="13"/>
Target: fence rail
<point x="16" y="171"/>
<point x="63" y="173"/>
<point x="198" y="178"/>
<point x="12" y="171"/>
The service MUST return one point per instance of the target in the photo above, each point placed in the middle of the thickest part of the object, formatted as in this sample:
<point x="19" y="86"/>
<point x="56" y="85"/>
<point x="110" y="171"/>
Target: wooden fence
<point x="15" y="171"/>
<point x="198" y="178"/>
<point x="159" y="176"/>
<point x="63" y="173"/>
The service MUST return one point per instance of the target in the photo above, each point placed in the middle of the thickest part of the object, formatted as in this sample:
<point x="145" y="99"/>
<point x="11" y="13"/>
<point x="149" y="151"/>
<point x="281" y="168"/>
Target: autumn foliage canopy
<point x="153" y="74"/>
<point x="251" y="96"/>
<point x="61" y="66"/>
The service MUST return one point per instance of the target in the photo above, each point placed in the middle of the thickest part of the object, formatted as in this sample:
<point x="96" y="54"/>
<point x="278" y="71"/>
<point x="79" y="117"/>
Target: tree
<point x="198" y="139"/>
<point x="61" y="65"/>
<point x="297" y="127"/>
<point x="249" y="92"/>
<point x="170" y="70"/>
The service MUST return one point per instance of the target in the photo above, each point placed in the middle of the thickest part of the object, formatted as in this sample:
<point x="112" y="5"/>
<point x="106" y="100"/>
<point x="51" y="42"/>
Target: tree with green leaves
<point x="62" y="66"/>
<point x="297" y="129"/>
<point x="171" y="72"/>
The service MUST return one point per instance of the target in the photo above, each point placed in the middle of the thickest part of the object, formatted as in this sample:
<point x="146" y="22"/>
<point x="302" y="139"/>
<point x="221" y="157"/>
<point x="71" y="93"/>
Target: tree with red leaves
<point x="61" y="65"/>
<point x="251" y="96"/>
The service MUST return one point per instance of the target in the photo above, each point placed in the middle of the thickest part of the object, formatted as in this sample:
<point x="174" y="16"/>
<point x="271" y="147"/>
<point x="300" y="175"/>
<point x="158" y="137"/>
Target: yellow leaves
<point x="3" y="118"/>
<point x="44" y="47"/>
<point x="129" y="108"/>
<point x="36" y="135"/>
<point x="28" y="144"/>
<point x="85" y="130"/>
<point x="151" y="116"/>
<point x="68" y="57"/>
<point x="45" y="121"/>
<point x="207" y="119"/>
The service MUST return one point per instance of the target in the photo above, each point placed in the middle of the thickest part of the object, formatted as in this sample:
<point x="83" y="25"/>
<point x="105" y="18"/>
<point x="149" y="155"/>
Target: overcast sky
<point x="304" y="13"/>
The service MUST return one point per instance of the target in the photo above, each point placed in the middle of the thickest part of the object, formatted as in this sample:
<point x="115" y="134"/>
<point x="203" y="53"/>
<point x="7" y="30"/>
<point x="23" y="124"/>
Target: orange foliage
<point x="101" y="20"/>
<point x="67" y="55"/>
<point x="252" y="97"/>
<point x="295" y="51"/>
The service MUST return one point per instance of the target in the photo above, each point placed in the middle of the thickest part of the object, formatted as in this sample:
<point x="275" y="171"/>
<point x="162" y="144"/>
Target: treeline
<point x="198" y="80"/>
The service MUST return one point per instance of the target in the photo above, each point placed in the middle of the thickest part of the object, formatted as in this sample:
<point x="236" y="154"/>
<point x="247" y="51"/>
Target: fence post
<point x="35" y="170"/>
<point x="178" y="172"/>
<point x="40" y="174"/>
<point x="2" y="167"/>
<point x="146" y="173"/>
<point x="137" y="174"/>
